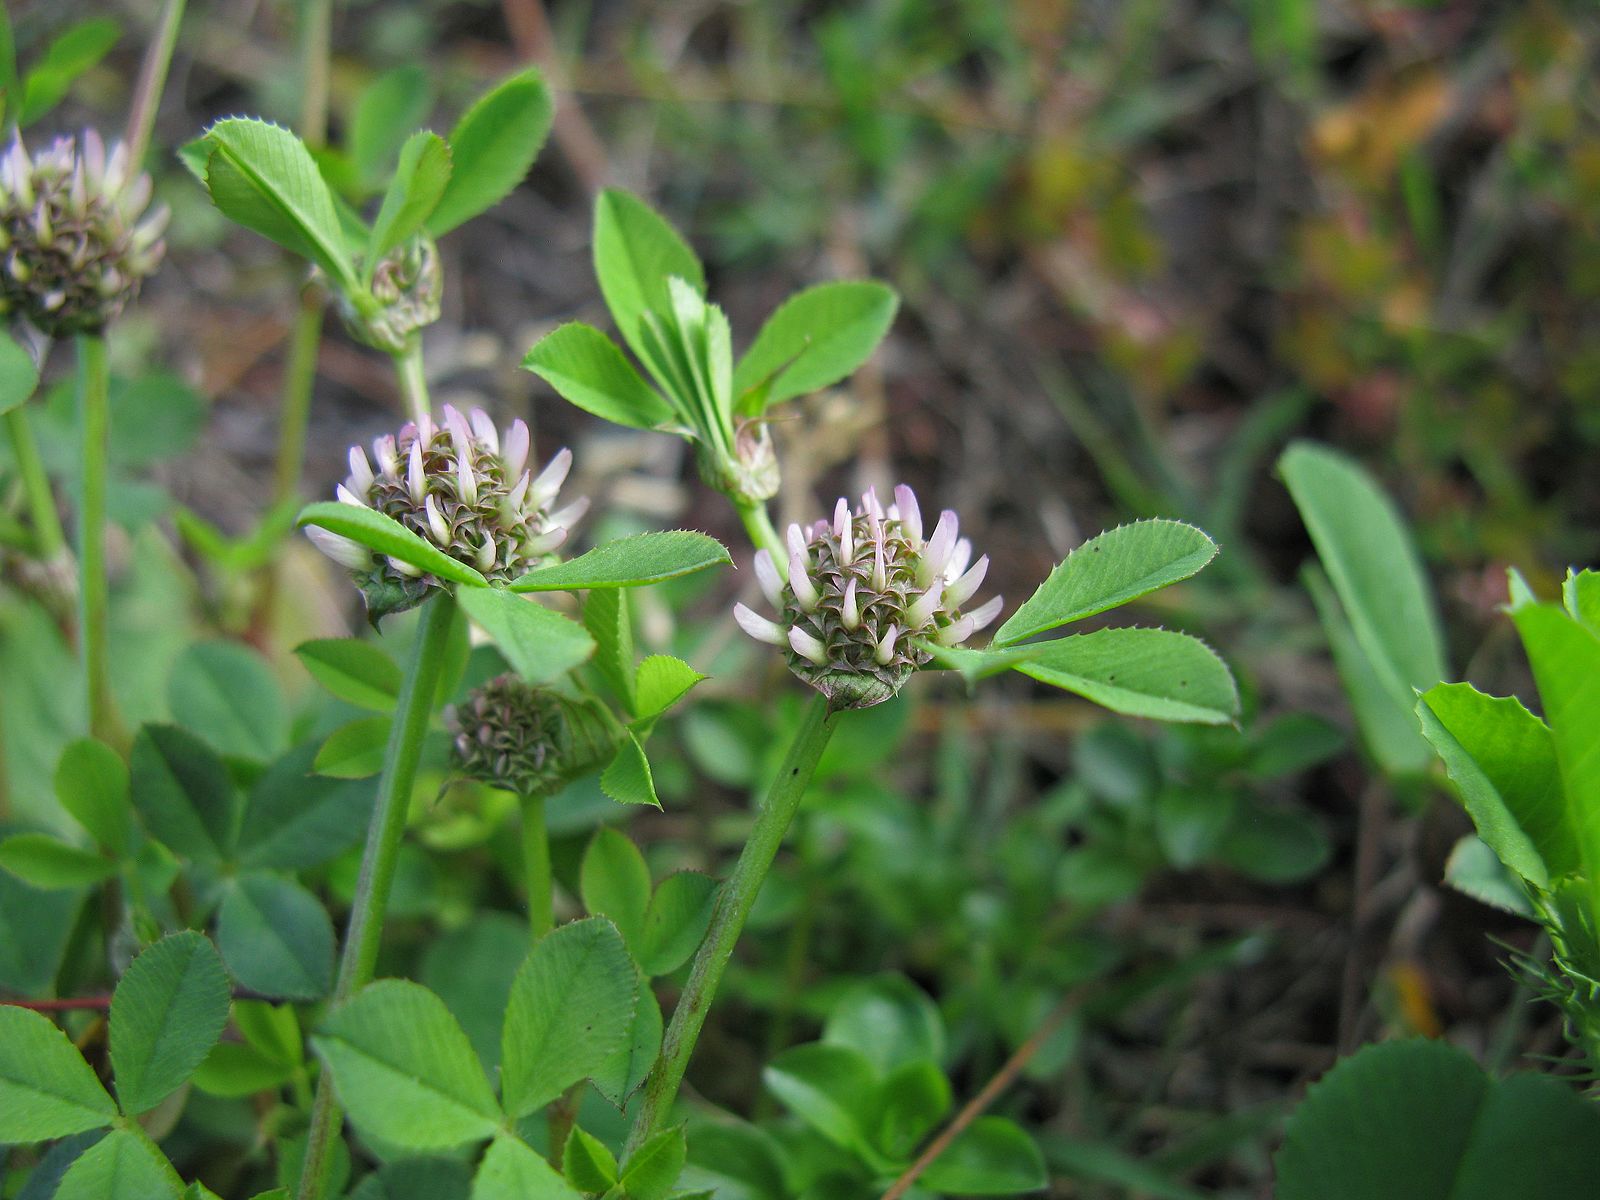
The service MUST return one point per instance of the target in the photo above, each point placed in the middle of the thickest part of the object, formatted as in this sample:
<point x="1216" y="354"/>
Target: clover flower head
<point x="866" y="592"/>
<point x="458" y="484"/>
<point x="527" y="739"/>
<point x="76" y="232"/>
<point x="407" y="285"/>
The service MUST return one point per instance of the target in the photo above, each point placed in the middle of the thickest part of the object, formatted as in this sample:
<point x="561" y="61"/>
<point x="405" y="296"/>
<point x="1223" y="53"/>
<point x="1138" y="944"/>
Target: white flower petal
<point x="956" y="632"/>
<point x="437" y="523"/>
<point x="800" y="581"/>
<point x="921" y="612"/>
<point x="936" y="555"/>
<point x="905" y="502"/>
<point x="548" y="482"/>
<point x="849" y="612"/>
<point x="769" y="579"/>
<point x="983" y="616"/>
<point x="361" y="477"/>
<point x="885" y="650"/>
<point x="758" y="626"/>
<point x="342" y="550"/>
<point x="962" y="590"/>
<point x="484" y="428"/>
<point x="518" y="443"/>
<point x="807" y="646"/>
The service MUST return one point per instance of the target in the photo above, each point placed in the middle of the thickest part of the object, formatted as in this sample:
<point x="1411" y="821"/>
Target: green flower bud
<point x="751" y="474"/>
<point x="75" y="232"/>
<point x="865" y="591"/>
<point x="527" y="739"/>
<point x="407" y="285"/>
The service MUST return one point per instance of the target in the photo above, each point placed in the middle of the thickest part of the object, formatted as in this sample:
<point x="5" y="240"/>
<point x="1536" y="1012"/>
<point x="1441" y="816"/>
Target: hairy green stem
<point x="413" y="382"/>
<point x="536" y="866"/>
<point x="759" y="528"/>
<point x="152" y="79"/>
<point x="728" y="917"/>
<point x="384" y="836"/>
<point x="94" y="430"/>
<point x="49" y="542"/>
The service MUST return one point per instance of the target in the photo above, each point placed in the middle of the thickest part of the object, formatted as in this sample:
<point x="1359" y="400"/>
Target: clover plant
<point x="246" y="863"/>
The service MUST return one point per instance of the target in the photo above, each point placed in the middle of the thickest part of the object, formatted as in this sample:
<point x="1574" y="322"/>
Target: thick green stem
<point x="49" y="541"/>
<point x="299" y="378"/>
<point x="536" y="867"/>
<point x="413" y="383"/>
<point x="152" y="79"/>
<point x="728" y="918"/>
<point x="94" y="428"/>
<point x="759" y="527"/>
<point x="384" y="836"/>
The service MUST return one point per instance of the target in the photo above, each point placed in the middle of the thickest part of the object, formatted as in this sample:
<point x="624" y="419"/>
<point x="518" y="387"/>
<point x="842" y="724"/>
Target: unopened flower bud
<point x="527" y="739"/>
<point x="407" y="286"/>
<point x="751" y="472"/>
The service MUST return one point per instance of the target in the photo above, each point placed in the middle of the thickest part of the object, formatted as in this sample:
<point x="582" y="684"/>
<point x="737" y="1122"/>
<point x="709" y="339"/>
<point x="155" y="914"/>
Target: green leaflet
<point x="46" y="1089"/>
<point x="491" y="148"/>
<point x="587" y="369"/>
<point x="166" y="1015"/>
<point x="572" y="1005"/>
<point x="404" y="1070"/>
<point x="1108" y="570"/>
<point x="1153" y="673"/>
<point x="1503" y="763"/>
<point x="629" y="562"/>
<point x="815" y="338"/>
<point x="1405" y="1120"/>
<point x="262" y="177"/>
<point x="540" y="645"/>
<point x="1368" y="554"/>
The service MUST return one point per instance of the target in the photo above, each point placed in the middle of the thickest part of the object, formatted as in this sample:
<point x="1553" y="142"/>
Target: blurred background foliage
<point x="1141" y="245"/>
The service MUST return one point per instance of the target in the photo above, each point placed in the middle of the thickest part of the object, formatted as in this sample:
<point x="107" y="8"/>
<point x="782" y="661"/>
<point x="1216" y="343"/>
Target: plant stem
<point x="384" y="836"/>
<point x="305" y="337"/>
<point x="316" y="37"/>
<point x="413" y="383"/>
<point x="536" y="865"/>
<point x="728" y="917"/>
<point x="299" y="379"/>
<point x="759" y="527"/>
<point x="986" y="1096"/>
<point x="94" y="423"/>
<point x="152" y="79"/>
<point x="49" y="541"/>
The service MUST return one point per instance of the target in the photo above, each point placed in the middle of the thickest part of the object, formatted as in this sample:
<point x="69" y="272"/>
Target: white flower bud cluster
<point x="863" y="590"/>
